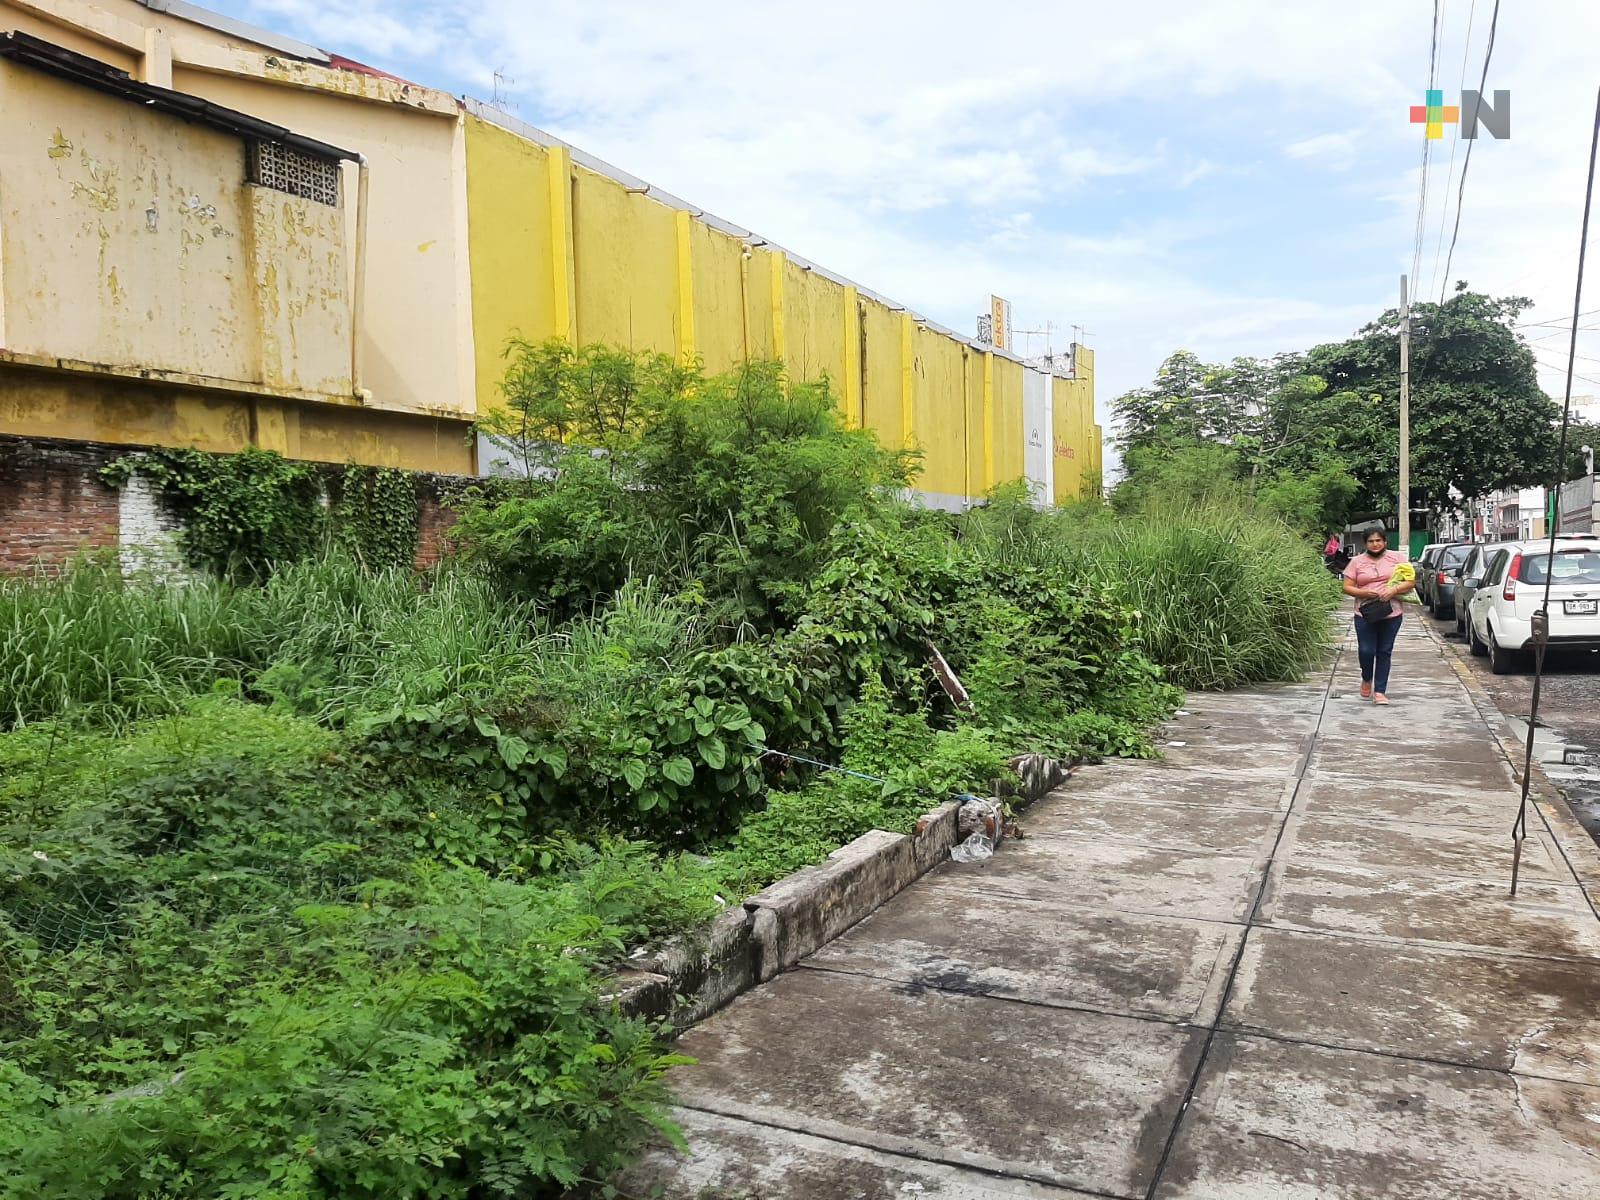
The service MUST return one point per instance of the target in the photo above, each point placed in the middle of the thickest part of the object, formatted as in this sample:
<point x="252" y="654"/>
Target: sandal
<point x="1366" y="689"/>
<point x="1379" y="698"/>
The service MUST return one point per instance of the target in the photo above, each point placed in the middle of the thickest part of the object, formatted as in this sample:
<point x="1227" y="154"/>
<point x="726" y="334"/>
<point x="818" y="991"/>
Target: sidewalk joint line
<point x="1251" y="922"/>
<point x="1013" y="1171"/>
<point x="1425" y="1060"/>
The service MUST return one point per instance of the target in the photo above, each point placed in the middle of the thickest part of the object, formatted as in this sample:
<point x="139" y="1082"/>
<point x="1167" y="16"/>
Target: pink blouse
<point x="1367" y="572"/>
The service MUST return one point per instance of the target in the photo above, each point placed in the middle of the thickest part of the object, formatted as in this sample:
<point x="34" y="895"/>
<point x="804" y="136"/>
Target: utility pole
<point x="1405" y="422"/>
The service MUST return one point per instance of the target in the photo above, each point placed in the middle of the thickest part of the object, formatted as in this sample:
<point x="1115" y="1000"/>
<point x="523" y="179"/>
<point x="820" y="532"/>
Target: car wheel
<point x="1473" y="644"/>
<point x="1501" y="660"/>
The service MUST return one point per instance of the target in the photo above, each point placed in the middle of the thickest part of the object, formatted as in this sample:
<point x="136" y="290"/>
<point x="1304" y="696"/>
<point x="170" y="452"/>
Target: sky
<point x="1231" y="177"/>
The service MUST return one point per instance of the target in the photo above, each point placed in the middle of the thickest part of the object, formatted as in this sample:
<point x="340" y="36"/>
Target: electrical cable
<point x="1427" y="143"/>
<point x="1466" y="165"/>
<point x="1541" y="619"/>
<point x="1444" y="211"/>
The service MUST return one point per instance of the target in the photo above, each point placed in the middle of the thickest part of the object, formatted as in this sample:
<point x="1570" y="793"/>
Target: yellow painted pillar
<point x="988" y="420"/>
<point x="686" y="346"/>
<point x="777" y="261"/>
<point x="966" y="424"/>
<point x="907" y="382"/>
<point x="564" y="282"/>
<point x="850" y="392"/>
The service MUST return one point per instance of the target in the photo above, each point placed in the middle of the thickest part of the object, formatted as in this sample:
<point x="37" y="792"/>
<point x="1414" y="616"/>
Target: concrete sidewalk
<point x="1250" y="971"/>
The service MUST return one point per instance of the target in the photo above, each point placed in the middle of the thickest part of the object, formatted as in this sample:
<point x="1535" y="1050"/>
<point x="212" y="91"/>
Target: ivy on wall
<point x="374" y="515"/>
<point x="243" y="513"/>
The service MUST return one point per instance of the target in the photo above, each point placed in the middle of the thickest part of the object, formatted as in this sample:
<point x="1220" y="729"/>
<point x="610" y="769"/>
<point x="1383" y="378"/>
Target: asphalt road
<point x="1569" y="709"/>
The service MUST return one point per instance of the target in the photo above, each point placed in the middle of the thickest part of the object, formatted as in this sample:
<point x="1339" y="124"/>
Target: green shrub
<point x="440" y="1039"/>
<point x="568" y="542"/>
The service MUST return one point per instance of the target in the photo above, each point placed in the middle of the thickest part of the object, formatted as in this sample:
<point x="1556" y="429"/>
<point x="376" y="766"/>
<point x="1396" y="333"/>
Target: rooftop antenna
<point x="500" y="97"/>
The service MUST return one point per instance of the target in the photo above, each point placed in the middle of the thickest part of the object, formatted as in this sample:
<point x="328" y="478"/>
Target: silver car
<point x="1468" y="577"/>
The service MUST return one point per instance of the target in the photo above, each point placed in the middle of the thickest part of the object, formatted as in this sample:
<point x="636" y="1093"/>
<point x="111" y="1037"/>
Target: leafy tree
<point x="596" y="396"/>
<point x="1479" y="420"/>
<point x="1316" y="434"/>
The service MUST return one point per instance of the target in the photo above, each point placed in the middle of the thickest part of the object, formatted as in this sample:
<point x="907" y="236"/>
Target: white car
<point x="1511" y="587"/>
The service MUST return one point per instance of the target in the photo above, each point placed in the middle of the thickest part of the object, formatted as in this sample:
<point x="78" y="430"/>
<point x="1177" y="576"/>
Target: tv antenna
<point x="500" y="97"/>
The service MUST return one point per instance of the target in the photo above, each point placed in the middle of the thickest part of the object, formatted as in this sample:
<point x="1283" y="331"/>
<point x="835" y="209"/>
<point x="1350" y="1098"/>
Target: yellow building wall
<point x="940" y="430"/>
<point x="13" y="16"/>
<point x="1007" y="426"/>
<point x="977" y="404"/>
<point x="129" y="238"/>
<point x="721" y="312"/>
<point x="649" y="276"/>
<point x="150" y="295"/>
<point x="813" y="325"/>
<point x="625" y="259"/>
<point x="508" y="214"/>
<point x="1068" y="444"/>
<point x="881" y="378"/>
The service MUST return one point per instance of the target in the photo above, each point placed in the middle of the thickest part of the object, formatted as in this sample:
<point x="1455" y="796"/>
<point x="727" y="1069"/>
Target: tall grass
<point x="324" y="638"/>
<point x="86" y="646"/>
<point x="1226" y="598"/>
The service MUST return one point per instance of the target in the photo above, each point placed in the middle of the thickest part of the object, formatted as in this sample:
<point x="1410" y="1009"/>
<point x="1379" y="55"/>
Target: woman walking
<point x="1378" y="618"/>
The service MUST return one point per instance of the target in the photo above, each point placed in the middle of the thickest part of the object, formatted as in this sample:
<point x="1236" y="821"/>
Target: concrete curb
<point x="1571" y="838"/>
<point x="689" y="977"/>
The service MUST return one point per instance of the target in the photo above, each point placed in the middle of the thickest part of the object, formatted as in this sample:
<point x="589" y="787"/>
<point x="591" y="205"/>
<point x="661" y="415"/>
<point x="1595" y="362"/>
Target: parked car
<point x="1424" y="564"/>
<point x="1436" y="582"/>
<point x="1512" y="588"/>
<point x="1468" y="576"/>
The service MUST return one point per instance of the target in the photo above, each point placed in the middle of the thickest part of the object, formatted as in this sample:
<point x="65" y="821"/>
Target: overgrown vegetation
<point x="310" y="866"/>
<point x="244" y="514"/>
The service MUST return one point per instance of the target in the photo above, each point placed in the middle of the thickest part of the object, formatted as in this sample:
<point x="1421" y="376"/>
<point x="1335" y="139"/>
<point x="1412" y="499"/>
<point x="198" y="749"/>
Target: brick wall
<point x="54" y="506"/>
<point x="52" y="502"/>
<point x="434" y="519"/>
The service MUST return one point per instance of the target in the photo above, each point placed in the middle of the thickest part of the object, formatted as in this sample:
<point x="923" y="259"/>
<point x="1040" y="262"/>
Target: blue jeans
<point x="1377" y="649"/>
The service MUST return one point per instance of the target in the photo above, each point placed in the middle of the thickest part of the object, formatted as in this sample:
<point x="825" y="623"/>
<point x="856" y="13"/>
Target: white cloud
<point x="1331" y="149"/>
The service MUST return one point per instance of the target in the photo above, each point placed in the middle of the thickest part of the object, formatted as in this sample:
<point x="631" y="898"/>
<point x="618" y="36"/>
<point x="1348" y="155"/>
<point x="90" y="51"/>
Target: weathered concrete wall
<point x="105" y="407"/>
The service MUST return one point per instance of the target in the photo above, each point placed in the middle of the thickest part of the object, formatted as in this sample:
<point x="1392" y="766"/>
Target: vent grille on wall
<point x="284" y="169"/>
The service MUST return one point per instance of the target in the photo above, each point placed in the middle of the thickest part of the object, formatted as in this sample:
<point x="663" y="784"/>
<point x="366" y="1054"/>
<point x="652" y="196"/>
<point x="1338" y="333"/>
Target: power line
<point x="1444" y="211"/>
<point x="1562" y="324"/>
<point x="1427" y="143"/>
<point x="1466" y="165"/>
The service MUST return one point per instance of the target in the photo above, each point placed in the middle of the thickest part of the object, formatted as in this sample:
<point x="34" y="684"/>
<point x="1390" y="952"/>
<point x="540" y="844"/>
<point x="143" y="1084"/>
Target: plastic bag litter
<point x="977" y="848"/>
<point x="983" y="823"/>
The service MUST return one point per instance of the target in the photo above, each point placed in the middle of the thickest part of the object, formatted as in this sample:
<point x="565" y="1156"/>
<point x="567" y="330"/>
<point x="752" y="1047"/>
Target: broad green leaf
<point x="513" y="750"/>
<point x="713" y="753"/>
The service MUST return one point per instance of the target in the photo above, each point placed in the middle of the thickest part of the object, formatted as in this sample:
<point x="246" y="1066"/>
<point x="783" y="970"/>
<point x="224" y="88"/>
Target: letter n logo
<point x="1496" y="117"/>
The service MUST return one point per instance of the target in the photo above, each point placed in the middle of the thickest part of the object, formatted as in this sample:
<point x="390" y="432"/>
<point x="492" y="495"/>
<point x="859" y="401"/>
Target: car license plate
<point x="1580" y="608"/>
